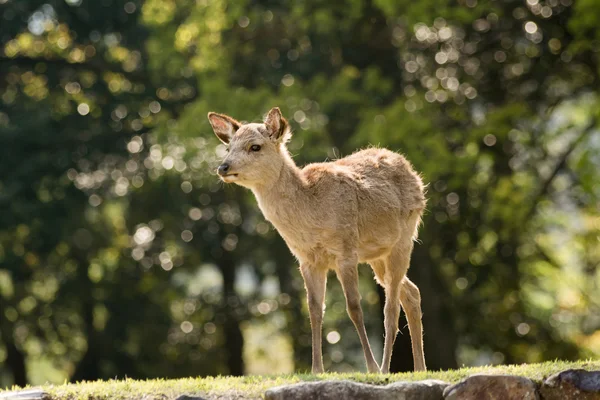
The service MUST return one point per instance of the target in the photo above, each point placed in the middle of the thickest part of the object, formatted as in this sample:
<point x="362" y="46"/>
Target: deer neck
<point x="279" y="198"/>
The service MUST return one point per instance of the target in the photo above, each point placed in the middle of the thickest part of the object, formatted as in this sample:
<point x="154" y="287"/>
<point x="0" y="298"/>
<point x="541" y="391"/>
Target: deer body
<point x="362" y="208"/>
<point x="325" y="208"/>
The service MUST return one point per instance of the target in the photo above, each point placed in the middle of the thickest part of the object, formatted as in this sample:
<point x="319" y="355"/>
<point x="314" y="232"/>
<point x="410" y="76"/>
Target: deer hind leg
<point x="315" y="281"/>
<point x="394" y="269"/>
<point x="410" y="297"/>
<point x="400" y="292"/>
<point x="348" y="275"/>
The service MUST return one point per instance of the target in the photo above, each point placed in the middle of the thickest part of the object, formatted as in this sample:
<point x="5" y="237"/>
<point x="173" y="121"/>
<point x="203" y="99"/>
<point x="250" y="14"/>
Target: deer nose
<point x="223" y="168"/>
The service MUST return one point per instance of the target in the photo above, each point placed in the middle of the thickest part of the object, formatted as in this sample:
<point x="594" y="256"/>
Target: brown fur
<point x="362" y="208"/>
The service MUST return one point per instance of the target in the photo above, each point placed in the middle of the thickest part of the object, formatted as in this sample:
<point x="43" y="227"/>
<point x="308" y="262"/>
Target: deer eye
<point x="255" y="147"/>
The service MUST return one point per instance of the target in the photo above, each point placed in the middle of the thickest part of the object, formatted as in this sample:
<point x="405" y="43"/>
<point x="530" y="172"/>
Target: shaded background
<point x="121" y="254"/>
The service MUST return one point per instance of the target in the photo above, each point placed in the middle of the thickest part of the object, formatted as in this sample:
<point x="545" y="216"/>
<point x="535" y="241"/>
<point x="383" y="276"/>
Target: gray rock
<point x="335" y="390"/>
<point x="30" y="394"/>
<point x="186" y="397"/>
<point x="572" y="384"/>
<point x="484" y="387"/>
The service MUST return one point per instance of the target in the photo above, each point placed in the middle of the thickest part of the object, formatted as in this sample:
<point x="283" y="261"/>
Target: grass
<point x="253" y="387"/>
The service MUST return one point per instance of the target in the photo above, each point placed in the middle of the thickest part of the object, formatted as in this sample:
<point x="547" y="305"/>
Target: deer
<point x="363" y="208"/>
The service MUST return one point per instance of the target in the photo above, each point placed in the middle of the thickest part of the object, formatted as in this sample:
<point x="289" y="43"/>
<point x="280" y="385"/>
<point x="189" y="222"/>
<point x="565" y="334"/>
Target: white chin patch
<point x="229" y="178"/>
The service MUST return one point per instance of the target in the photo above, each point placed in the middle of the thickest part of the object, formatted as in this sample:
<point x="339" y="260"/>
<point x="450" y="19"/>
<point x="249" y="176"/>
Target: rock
<point x="572" y="384"/>
<point x="334" y="390"/>
<point x="30" y="394"/>
<point x="429" y="389"/>
<point x="483" y="387"/>
<point x="186" y="397"/>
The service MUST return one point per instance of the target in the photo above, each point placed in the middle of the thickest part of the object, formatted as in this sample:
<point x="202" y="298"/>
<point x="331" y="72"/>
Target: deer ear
<point x="224" y="126"/>
<point x="277" y="126"/>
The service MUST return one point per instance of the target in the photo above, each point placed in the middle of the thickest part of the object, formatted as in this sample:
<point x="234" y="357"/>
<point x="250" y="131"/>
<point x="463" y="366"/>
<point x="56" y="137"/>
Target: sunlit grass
<point x="253" y="387"/>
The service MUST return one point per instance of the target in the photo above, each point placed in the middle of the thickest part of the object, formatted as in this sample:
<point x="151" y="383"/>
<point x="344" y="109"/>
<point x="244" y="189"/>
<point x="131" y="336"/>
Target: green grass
<point x="253" y="387"/>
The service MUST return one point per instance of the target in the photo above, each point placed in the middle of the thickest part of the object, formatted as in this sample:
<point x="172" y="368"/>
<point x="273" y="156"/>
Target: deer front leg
<point x="315" y="281"/>
<point x="348" y="275"/>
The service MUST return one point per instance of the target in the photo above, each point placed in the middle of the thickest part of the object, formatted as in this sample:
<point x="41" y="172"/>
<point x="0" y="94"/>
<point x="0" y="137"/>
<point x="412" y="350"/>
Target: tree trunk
<point x="87" y="369"/>
<point x="234" y="339"/>
<point x="15" y="360"/>
<point x="295" y="318"/>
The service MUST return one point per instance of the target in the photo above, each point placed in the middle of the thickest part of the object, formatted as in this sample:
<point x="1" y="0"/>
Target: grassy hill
<point x="252" y="387"/>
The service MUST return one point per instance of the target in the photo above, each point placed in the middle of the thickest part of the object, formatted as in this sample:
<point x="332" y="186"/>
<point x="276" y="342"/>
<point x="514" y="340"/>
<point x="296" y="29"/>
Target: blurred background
<point x="121" y="253"/>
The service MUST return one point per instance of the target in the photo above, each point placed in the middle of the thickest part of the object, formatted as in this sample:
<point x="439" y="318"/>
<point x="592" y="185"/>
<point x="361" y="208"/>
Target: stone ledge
<point x="484" y="387"/>
<point x="334" y="390"/>
<point x="566" y="385"/>
<point x="29" y="394"/>
<point x="572" y="384"/>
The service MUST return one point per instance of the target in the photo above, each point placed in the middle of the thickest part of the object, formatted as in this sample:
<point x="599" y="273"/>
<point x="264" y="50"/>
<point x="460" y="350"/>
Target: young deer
<point x="362" y="208"/>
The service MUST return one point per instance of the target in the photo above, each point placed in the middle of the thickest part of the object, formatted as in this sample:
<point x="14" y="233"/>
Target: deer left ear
<point x="224" y="126"/>
<point x="277" y="126"/>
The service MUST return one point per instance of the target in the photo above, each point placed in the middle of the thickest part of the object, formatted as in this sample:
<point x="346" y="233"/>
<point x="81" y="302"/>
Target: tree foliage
<point x="122" y="255"/>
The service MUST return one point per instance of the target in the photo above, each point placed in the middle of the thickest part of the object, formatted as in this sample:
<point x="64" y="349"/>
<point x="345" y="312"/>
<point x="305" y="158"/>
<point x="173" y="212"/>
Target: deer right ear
<point x="224" y="126"/>
<point x="277" y="126"/>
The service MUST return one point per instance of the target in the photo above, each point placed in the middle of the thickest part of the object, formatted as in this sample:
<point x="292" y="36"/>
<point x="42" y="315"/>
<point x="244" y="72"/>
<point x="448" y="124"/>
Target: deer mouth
<point x="229" y="177"/>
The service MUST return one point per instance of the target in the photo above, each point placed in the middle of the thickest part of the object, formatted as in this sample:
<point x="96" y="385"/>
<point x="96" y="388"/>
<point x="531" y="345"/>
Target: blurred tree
<point x="121" y="254"/>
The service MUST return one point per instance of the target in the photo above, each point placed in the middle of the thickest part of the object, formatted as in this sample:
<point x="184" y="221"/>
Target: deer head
<point x="256" y="151"/>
